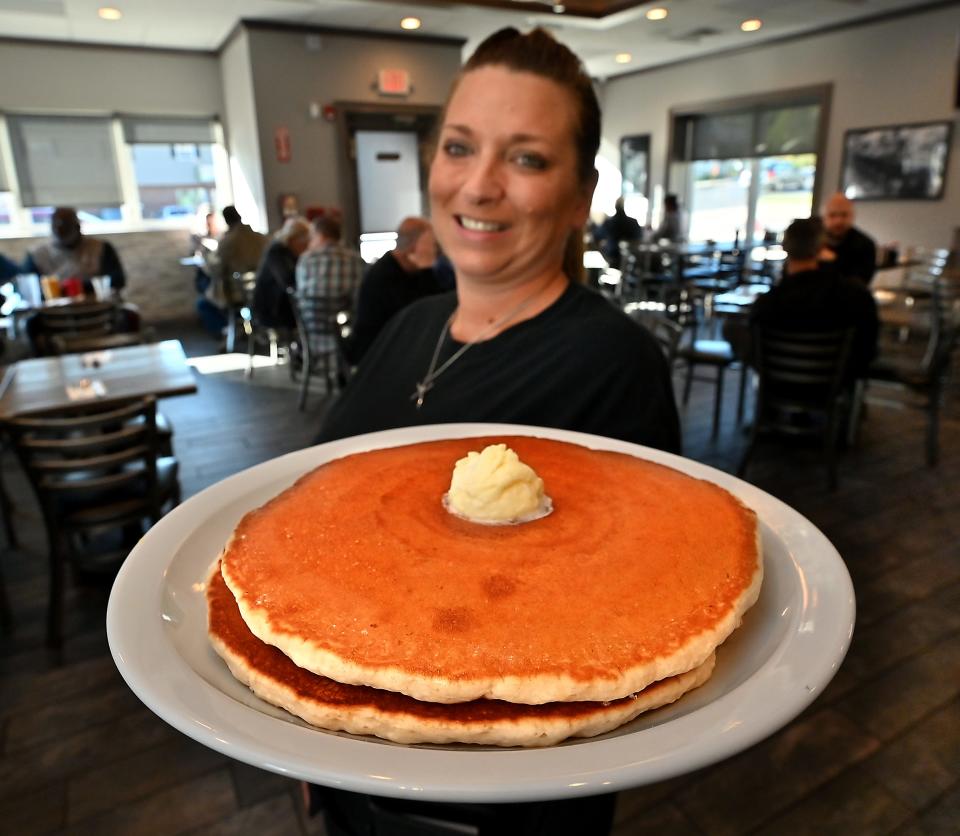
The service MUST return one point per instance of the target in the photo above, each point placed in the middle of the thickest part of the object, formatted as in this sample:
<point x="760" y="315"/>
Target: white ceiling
<point x="693" y="27"/>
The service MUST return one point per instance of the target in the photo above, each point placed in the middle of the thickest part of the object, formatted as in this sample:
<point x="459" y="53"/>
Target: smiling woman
<point x="521" y="340"/>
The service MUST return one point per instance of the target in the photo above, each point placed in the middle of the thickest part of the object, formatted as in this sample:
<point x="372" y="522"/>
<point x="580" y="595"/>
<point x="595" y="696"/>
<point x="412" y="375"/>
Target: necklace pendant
<point x="422" y="388"/>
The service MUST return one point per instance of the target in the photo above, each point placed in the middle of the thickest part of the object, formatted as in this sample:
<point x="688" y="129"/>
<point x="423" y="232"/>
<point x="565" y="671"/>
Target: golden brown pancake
<point x="363" y="710"/>
<point x="358" y="573"/>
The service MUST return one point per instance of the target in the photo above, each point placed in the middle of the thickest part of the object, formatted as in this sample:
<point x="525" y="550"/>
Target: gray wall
<point x="240" y="127"/>
<point x="288" y="76"/>
<point x="74" y="79"/>
<point x="898" y="71"/>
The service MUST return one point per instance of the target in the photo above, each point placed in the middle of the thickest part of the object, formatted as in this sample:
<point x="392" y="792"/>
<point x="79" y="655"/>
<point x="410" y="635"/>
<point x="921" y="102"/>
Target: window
<point x="173" y="165"/>
<point x="749" y="170"/>
<point x="120" y="173"/>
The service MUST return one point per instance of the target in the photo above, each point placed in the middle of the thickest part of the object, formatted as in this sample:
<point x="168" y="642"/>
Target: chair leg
<point x="6" y="612"/>
<point x="688" y="384"/>
<point x="741" y="392"/>
<point x="717" y="402"/>
<point x="7" y="509"/>
<point x="55" y="604"/>
<point x="231" y="331"/>
<point x="933" y="427"/>
<point x="830" y="445"/>
<point x="305" y="382"/>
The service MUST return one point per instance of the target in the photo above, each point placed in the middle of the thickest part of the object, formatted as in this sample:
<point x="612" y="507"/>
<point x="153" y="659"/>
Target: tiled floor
<point x="878" y="752"/>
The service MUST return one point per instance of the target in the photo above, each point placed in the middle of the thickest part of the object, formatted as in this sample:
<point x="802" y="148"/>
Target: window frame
<point x="680" y="139"/>
<point x="131" y="219"/>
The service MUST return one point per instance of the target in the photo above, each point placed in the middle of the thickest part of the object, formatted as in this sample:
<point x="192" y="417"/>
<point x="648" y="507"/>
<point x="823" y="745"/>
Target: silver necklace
<point x="433" y="373"/>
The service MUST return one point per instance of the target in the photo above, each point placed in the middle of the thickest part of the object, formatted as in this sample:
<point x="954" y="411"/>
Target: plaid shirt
<point x="332" y="270"/>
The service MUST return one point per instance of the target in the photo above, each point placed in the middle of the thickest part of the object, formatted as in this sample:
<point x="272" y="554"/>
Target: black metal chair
<point x="98" y="478"/>
<point x="719" y="355"/>
<point x="914" y="360"/>
<point x="803" y="389"/>
<point x="78" y="319"/>
<point x="667" y="333"/>
<point x="238" y="296"/>
<point x="320" y="319"/>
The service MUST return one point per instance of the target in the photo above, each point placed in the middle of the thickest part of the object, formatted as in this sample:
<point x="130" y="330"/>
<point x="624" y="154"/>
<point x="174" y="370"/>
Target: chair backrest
<point x="79" y="343"/>
<point x="238" y="289"/>
<point x="81" y="318"/>
<point x="667" y="332"/>
<point x="803" y="369"/>
<point x="93" y="468"/>
<point x="317" y="319"/>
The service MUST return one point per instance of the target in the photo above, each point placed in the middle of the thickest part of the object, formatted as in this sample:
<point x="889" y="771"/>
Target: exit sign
<point x="393" y="82"/>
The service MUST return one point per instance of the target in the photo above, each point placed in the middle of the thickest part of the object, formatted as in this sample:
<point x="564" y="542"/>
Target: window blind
<point x="744" y="134"/>
<point x="64" y="161"/>
<point x="787" y="130"/>
<point x="177" y="131"/>
<point x="723" y="136"/>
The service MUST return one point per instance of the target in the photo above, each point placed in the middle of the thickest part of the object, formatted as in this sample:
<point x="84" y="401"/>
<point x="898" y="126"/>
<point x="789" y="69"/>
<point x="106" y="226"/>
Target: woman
<point x="520" y="341"/>
<point x="277" y="272"/>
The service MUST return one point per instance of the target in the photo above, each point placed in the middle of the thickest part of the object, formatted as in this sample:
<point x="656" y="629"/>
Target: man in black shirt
<point x="400" y="277"/>
<point x="852" y="252"/>
<point x="814" y="297"/>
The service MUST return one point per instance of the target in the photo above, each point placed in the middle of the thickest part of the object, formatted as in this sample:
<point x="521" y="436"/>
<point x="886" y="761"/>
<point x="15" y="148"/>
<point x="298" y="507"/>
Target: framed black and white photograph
<point x="635" y="164"/>
<point x="899" y="162"/>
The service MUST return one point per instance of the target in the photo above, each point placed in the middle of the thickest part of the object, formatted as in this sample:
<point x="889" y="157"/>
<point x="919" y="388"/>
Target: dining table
<point x="54" y="384"/>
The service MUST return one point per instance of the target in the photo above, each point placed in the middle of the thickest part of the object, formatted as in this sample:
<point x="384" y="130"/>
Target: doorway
<point x="386" y="152"/>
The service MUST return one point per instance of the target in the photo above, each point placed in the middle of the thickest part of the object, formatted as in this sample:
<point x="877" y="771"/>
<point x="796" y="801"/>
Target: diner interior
<point x="148" y="119"/>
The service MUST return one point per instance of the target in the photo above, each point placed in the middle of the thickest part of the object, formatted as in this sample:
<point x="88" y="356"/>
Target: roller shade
<point x="724" y="136"/>
<point x="177" y="131"/>
<point x="744" y="134"/>
<point x="64" y="161"/>
<point x="787" y="130"/>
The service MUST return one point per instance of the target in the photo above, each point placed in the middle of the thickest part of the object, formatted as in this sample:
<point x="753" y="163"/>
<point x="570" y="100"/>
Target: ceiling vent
<point x="694" y="36"/>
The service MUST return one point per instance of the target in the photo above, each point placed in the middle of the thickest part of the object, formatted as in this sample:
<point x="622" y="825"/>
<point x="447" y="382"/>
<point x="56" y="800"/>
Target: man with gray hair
<point x="400" y="277"/>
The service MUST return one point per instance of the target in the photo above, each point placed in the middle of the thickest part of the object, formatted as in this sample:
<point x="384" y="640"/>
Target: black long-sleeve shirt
<point x="579" y="365"/>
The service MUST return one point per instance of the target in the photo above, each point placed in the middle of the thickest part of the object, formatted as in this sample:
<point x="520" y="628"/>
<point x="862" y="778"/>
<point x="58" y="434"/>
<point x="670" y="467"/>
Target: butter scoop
<point x="495" y="488"/>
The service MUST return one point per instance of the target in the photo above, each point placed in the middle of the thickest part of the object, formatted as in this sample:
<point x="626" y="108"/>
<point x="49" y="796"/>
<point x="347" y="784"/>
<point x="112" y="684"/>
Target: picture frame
<point x="896" y="162"/>
<point x="635" y="174"/>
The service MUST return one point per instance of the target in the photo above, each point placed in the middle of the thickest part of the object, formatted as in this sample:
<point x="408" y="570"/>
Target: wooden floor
<point x="878" y="752"/>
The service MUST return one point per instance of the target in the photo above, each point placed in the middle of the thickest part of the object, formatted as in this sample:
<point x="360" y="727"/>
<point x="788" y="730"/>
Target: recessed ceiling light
<point x="109" y="13"/>
<point x="623" y="57"/>
<point x="751" y="25"/>
<point x="559" y="8"/>
<point x="657" y="13"/>
<point x="411" y="23"/>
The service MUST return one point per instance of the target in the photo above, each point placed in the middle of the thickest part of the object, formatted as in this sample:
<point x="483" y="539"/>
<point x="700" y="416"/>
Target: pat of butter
<point x="495" y="487"/>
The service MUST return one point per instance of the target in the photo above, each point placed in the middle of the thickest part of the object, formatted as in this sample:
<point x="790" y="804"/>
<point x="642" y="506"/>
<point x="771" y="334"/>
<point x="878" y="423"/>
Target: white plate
<point x="789" y="647"/>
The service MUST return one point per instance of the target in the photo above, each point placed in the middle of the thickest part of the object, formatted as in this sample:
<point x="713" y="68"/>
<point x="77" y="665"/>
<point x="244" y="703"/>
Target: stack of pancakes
<point x="357" y="602"/>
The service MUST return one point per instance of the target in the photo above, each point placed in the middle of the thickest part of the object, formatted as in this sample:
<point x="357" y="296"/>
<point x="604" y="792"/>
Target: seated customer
<point x="239" y="250"/>
<point x="853" y="253"/>
<point x="70" y="253"/>
<point x="277" y="273"/>
<point x="669" y="229"/>
<point x="619" y="227"/>
<point x="328" y="268"/>
<point x="520" y="341"/>
<point x="813" y="297"/>
<point x="400" y="277"/>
